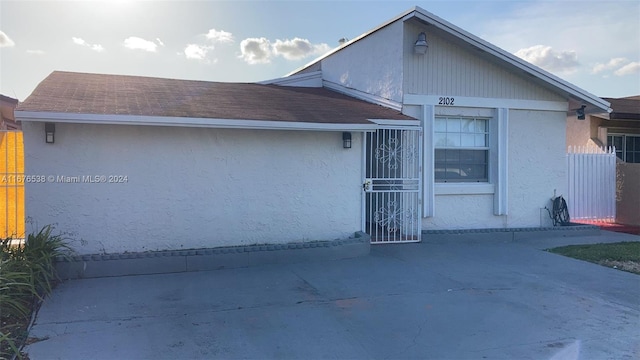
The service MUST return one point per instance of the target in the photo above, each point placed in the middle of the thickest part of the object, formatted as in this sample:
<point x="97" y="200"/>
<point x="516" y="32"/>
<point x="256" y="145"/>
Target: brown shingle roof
<point x="80" y="93"/>
<point x="627" y="108"/>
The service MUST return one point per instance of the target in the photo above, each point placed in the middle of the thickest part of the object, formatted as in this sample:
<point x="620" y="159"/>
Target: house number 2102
<point x="445" y="101"/>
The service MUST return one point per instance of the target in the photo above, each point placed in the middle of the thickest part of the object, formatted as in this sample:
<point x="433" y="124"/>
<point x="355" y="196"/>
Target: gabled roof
<point x="101" y="96"/>
<point x="627" y="108"/>
<point x="576" y="95"/>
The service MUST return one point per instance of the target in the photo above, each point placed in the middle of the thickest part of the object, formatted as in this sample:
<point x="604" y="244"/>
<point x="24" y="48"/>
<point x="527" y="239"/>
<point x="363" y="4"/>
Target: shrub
<point x="27" y="276"/>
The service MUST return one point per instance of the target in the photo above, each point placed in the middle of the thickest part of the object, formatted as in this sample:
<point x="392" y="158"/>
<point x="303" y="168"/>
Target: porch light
<point x="421" y="44"/>
<point x="580" y="113"/>
<point x="346" y="140"/>
<point x="49" y="131"/>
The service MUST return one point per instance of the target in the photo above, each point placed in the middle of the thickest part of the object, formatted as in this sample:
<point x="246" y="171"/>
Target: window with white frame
<point x="461" y="146"/>
<point x="627" y="146"/>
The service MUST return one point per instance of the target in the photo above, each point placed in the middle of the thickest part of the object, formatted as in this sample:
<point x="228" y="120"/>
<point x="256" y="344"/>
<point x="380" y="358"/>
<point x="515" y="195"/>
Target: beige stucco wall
<point x="579" y="132"/>
<point x="628" y="197"/>
<point x="586" y="132"/>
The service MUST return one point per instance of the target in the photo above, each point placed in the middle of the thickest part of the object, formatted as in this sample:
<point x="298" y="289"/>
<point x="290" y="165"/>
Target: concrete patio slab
<point x="433" y="300"/>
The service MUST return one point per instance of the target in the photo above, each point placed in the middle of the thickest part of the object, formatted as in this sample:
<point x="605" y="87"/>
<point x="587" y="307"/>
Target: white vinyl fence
<point x="592" y="183"/>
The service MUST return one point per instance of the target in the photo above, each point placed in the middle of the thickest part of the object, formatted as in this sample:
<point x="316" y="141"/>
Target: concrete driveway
<point x="440" y="299"/>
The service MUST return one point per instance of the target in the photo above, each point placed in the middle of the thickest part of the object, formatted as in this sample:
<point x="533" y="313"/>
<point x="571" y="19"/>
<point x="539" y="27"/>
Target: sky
<point x="592" y="44"/>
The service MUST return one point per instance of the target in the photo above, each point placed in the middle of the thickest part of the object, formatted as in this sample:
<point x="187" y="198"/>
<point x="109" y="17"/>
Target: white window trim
<point x="428" y="158"/>
<point x="501" y="178"/>
<point x="464" y="189"/>
<point x="498" y="173"/>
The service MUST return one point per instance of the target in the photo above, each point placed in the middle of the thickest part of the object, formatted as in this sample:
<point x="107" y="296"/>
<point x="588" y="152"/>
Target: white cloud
<point x="198" y="52"/>
<point x="261" y="50"/>
<point x="297" y="48"/>
<point x="256" y="50"/>
<point x="618" y="66"/>
<point x="136" y="43"/>
<point x="612" y="64"/>
<point x="201" y="51"/>
<point x="81" y="42"/>
<point x="159" y="42"/>
<point x="219" y="36"/>
<point x="630" y="68"/>
<point x="549" y="59"/>
<point x="35" y="52"/>
<point x="5" y="40"/>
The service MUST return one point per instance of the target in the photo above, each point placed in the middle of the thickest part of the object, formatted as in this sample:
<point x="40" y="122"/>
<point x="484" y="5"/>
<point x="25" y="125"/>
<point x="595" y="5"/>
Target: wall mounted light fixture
<point x="49" y="132"/>
<point x="421" y="44"/>
<point x="346" y="140"/>
<point x="580" y="112"/>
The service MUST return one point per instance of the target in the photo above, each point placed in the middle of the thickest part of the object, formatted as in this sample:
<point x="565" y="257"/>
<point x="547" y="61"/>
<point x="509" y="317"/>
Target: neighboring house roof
<point x="7" y="117"/>
<point x="8" y="99"/>
<point x="103" y="97"/>
<point x="627" y="108"/>
<point x="576" y="95"/>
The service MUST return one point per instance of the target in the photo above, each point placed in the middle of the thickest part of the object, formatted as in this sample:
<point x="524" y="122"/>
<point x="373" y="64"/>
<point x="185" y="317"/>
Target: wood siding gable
<point x="451" y="69"/>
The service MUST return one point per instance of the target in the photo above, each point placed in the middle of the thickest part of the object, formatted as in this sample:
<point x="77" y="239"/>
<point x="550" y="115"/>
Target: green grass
<point x="613" y="254"/>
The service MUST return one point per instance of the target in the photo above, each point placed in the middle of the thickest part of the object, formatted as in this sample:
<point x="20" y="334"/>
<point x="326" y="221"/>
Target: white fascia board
<point x="293" y="80"/>
<point x="188" y="122"/>
<point x="511" y="59"/>
<point x="374" y="99"/>
<point x="462" y="101"/>
<point x="391" y="122"/>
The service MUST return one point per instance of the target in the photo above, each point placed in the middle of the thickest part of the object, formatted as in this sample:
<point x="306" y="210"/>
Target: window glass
<point x="468" y="125"/>
<point x="454" y="125"/>
<point x="461" y="149"/>
<point x="627" y="147"/>
<point x="440" y="140"/>
<point x="633" y="149"/>
<point x="467" y="140"/>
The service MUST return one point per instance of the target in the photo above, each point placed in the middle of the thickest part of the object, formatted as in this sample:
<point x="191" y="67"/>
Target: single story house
<point x="415" y="125"/>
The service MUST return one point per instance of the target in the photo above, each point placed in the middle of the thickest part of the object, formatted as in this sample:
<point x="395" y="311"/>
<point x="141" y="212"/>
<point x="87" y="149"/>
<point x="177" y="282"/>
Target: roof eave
<point x="624" y="116"/>
<point x="567" y="88"/>
<point x="101" y="119"/>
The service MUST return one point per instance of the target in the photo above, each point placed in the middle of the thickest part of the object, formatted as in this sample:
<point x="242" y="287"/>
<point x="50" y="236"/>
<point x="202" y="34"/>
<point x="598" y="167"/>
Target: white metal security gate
<point x="392" y="204"/>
